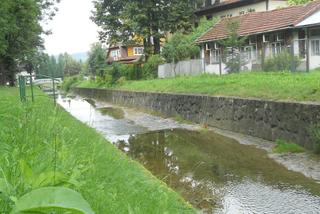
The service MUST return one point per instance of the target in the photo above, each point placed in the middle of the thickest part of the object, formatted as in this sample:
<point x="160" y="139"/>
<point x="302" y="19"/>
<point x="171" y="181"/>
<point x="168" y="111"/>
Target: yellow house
<point x="126" y="54"/>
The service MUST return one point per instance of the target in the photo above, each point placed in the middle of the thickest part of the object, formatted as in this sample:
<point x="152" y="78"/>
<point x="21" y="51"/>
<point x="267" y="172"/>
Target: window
<point x="276" y="48"/>
<point x="249" y="53"/>
<point x="226" y="16"/>
<point x="115" y="54"/>
<point x="249" y="10"/>
<point x="315" y="47"/>
<point x="138" y="50"/>
<point x="215" y="57"/>
<point x="315" y="32"/>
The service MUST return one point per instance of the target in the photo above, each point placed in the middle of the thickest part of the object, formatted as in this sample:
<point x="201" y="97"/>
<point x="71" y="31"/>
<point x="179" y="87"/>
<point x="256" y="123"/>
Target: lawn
<point x="264" y="85"/>
<point x="37" y="138"/>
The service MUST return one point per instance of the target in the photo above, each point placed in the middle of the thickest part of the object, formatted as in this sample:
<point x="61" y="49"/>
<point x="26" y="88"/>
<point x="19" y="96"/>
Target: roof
<point x="262" y="22"/>
<point x="126" y="60"/>
<point x="224" y="5"/>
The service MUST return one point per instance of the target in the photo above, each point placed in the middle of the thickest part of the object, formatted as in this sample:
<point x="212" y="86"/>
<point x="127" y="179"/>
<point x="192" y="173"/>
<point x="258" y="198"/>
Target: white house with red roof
<point x="231" y="8"/>
<point x="268" y="33"/>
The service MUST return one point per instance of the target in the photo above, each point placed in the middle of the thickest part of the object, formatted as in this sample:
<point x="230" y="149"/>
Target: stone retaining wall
<point x="269" y="120"/>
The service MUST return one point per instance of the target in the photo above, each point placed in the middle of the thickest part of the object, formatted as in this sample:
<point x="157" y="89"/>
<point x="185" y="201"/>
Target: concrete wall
<point x="265" y="119"/>
<point x="183" y="68"/>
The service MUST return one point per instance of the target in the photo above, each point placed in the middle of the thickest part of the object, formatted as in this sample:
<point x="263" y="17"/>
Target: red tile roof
<point x="261" y="22"/>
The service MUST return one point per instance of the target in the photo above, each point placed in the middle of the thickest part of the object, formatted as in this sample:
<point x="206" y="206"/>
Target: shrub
<point x="130" y="72"/>
<point x="182" y="47"/>
<point x="281" y="62"/>
<point x="121" y="80"/>
<point x="232" y="57"/>
<point x="150" y="68"/>
<point x="69" y="82"/>
<point x="179" y="48"/>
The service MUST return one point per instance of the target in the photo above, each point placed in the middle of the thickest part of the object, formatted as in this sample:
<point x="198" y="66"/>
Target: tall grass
<point x="45" y="146"/>
<point x="287" y="147"/>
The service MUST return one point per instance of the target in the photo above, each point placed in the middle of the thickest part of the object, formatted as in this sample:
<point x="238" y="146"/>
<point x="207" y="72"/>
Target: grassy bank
<point x="266" y="85"/>
<point x="37" y="139"/>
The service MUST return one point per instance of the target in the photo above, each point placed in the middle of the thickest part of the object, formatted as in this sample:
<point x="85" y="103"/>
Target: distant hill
<point x="80" y="56"/>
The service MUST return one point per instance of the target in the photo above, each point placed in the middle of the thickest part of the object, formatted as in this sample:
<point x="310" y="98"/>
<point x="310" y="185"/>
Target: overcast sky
<point x="72" y="29"/>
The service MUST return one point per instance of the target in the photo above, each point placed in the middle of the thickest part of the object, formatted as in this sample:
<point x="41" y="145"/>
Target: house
<point x="231" y="8"/>
<point x="295" y="28"/>
<point x="126" y="54"/>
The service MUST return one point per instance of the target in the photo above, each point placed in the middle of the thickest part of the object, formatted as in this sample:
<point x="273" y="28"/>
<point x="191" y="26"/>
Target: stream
<point x="214" y="173"/>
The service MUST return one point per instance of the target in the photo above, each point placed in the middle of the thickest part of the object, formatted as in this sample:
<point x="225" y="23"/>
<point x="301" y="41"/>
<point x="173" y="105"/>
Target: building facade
<point x="126" y="54"/>
<point x="294" y="29"/>
<point x="231" y="8"/>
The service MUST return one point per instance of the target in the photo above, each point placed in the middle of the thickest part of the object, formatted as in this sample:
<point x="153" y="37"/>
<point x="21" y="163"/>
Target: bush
<point x="130" y="72"/>
<point x="70" y="82"/>
<point x="182" y="46"/>
<point x="150" y="68"/>
<point x="281" y="62"/>
<point x="106" y="79"/>
<point x="179" y="48"/>
<point x="121" y="81"/>
<point x="233" y="62"/>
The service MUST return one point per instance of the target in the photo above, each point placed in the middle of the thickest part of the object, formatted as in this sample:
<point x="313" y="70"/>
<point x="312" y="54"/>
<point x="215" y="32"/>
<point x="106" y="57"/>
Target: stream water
<point x="214" y="173"/>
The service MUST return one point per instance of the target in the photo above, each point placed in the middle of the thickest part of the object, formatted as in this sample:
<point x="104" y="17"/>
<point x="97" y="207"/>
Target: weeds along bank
<point x="37" y="139"/>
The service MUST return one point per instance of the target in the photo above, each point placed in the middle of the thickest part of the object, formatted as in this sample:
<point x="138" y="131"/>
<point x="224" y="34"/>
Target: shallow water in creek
<point x="214" y="173"/>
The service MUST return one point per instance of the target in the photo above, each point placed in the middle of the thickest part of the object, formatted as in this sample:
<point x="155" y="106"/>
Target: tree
<point x="150" y="19"/>
<point x="232" y="46"/>
<point x="179" y="48"/>
<point x="59" y="67"/>
<point x="61" y="64"/>
<point x="97" y="60"/>
<point x="71" y="66"/>
<point x="182" y="46"/>
<point x="20" y="32"/>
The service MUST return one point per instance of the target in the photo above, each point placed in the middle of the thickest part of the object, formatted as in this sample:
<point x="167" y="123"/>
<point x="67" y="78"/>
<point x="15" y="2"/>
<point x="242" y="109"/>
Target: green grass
<point x="265" y="85"/>
<point x="109" y="180"/>
<point x="285" y="147"/>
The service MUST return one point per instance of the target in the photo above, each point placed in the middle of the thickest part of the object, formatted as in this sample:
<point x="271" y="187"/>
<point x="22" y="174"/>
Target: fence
<point x="298" y="55"/>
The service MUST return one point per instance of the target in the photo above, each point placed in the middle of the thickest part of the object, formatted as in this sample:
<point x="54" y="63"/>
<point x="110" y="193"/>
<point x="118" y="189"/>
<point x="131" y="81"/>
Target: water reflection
<point x="87" y="112"/>
<point x="214" y="173"/>
<point x="219" y="175"/>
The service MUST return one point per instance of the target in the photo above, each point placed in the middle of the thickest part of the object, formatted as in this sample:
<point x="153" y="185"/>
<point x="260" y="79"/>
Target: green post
<point x="20" y="92"/>
<point x="22" y="87"/>
<point x="54" y="90"/>
<point x="31" y="85"/>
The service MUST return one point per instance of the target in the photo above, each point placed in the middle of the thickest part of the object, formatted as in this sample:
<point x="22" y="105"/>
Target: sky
<point x="72" y="29"/>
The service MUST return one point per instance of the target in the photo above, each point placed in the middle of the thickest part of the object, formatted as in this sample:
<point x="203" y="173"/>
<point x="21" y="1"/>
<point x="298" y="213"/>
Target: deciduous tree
<point x="150" y="19"/>
<point x="97" y="60"/>
<point x="20" y="33"/>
